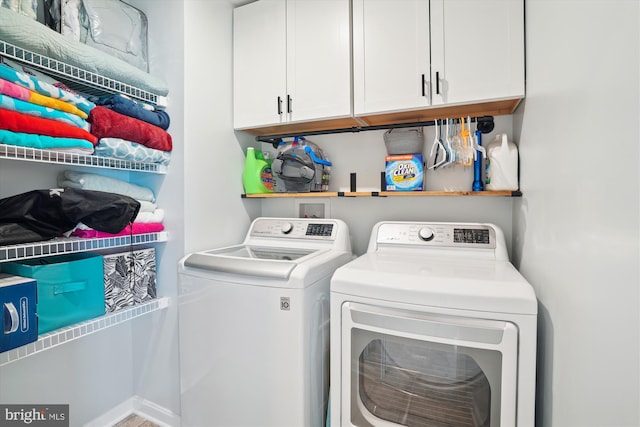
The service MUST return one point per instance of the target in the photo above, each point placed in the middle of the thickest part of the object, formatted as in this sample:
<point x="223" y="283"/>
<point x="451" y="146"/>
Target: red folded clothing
<point x="106" y="123"/>
<point x="19" y="122"/>
<point x="135" y="228"/>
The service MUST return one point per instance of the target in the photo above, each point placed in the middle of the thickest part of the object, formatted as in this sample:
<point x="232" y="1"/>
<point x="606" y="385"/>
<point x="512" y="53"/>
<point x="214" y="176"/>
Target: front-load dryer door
<point x="407" y="368"/>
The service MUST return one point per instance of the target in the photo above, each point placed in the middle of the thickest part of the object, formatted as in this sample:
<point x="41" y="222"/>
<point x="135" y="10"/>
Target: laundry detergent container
<point x="70" y="288"/>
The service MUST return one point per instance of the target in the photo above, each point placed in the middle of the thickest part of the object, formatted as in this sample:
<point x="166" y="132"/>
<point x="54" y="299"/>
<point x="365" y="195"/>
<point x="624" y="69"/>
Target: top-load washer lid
<point x="445" y="265"/>
<point x="289" y="251"/>
<point x="271" y="262"/>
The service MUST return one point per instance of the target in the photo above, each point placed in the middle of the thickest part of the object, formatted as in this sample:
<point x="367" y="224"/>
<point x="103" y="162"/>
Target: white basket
<point x="404" y="141"/>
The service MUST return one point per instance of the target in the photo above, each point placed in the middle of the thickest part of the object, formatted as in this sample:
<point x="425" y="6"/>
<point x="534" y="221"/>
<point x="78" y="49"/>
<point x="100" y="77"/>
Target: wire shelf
<point x="78" y="79"/>
<point x="74" y="244"/>
<point x="51" y="156"/>
<point x="64" y="335"/>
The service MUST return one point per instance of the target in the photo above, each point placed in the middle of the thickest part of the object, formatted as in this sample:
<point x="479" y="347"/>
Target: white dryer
<point x="254" y="325"/>
<point x="433" y="326"/>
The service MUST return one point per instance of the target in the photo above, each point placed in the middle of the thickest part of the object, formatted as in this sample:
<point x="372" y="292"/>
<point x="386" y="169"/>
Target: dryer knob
<point x="287" y="227"/>
<point x="426" y="234"/>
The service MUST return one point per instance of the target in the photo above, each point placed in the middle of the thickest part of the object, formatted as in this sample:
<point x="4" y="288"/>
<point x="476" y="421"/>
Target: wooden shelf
<point x="358" y="123"/>
<point x="505" y="193"/>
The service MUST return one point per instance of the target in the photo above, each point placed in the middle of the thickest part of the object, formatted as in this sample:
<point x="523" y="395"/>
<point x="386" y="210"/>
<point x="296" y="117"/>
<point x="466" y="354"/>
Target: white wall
<point x="577" y="224"/>
<point x="155" y="338"/>
<point x="363" y="153"/>
<point x="215" y="215"/>
<point x="582" y="98"/>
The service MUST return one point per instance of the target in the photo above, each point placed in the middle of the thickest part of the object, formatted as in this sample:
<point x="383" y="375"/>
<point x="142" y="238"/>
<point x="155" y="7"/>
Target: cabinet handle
<point x="437" y="83"/>
<point x="289" y="102"/>
<point x="423" y="92"/>
<point x="279" y="105"/>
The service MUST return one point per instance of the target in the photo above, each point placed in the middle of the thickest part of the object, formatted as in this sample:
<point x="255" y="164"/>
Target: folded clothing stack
<point x="38" y="112"/>
<point x="127" y="130"/>
<point x="40" y="215"/>
<point x="149" y="218"/>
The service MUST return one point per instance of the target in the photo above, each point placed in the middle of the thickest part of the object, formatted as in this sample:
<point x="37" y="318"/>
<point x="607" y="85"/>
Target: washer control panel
<point x="482" y="236"/>
<point x="295" y="228"/>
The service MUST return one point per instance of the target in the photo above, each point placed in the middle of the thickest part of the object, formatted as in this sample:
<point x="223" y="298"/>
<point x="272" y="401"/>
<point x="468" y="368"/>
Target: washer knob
<point x="426" y="234"/>
<point x="287" y="227"/>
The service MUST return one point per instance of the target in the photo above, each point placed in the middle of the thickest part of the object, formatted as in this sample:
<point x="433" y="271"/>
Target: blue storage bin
<point x="70" y="288"/>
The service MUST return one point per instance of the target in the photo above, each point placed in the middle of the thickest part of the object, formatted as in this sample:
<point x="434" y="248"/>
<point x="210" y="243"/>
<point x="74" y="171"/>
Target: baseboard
<point x="136" y="405"/>
<point x="156" y="413"/>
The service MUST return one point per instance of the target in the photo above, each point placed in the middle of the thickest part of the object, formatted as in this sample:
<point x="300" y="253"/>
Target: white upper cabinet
<point x="291" y="61"/>
<point x="412" y="54"/>
<point x="259" y="63"/>
<point x="477" y="50"/>
<point x="390" y="55"/>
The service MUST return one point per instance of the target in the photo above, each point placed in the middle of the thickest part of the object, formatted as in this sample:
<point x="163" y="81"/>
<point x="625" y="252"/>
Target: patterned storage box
<point x="129" y="278"/>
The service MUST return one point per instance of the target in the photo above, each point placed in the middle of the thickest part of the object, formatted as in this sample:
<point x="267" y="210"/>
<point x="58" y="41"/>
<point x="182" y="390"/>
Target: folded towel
<point x="134" y="228"/>
<point x="155" y="216"/>
<point x="90" y="181"/>
<point x="43" y="142"/>
<point x="123" y="105"/>
<point x="24" y="94"/>
<point x="14" y="91"/>
<point x="43" y="88"/>
<point x="18" y="122"/>
<point x="109" y="124"/>
<point x="117" y="148"/>
<point x="36" y="110"/>
<point x="146" y="206"/>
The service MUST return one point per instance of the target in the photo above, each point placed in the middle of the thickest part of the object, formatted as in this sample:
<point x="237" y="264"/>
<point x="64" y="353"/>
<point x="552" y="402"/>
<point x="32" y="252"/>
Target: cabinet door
<point x="390" y="55"/>
<point x="477" y="49"/>
<point x="318" y="59"/>
<point x="259" y="58"/>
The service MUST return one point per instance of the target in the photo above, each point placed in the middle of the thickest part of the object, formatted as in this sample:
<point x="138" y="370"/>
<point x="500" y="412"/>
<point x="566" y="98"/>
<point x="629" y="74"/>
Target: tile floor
<point x="134" y="420"/>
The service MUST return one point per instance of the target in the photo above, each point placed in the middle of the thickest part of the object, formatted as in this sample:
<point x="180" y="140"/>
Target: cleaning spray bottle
<point x="256" y="177"/>
<point x="502" y="164"/>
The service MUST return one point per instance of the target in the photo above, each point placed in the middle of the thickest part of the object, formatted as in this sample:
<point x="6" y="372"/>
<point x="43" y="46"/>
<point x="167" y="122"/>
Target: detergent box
<point x="18" y="305"/>
<point x="404" y="172"/>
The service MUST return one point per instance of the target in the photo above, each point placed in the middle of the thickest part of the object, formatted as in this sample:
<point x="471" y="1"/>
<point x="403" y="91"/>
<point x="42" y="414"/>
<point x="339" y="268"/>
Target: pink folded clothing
<point x="135" y="228"/>
<point x="106" y="123"/>
<point x="24" y="123"/>
<point x="14" y="91"/>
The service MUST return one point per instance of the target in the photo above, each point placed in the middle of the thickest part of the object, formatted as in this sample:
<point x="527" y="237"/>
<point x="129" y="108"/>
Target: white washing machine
<point x="254" y="325"/>
<point x="433" y="326"/>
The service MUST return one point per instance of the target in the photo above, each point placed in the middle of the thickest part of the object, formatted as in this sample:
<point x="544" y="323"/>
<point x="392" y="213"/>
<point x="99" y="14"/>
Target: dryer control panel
<point x="481" y="236"/>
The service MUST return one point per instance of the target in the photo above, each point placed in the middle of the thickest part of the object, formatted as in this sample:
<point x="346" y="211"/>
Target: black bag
<point x="44" y="214"/>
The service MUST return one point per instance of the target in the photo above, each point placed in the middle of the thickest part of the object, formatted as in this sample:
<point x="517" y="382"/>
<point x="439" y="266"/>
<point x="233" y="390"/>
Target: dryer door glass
<point x="415" y="383"/>
<point x="421" y="369"/>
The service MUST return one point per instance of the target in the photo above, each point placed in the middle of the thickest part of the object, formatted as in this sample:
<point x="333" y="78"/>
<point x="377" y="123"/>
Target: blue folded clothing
<point x="128" y="107"/>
